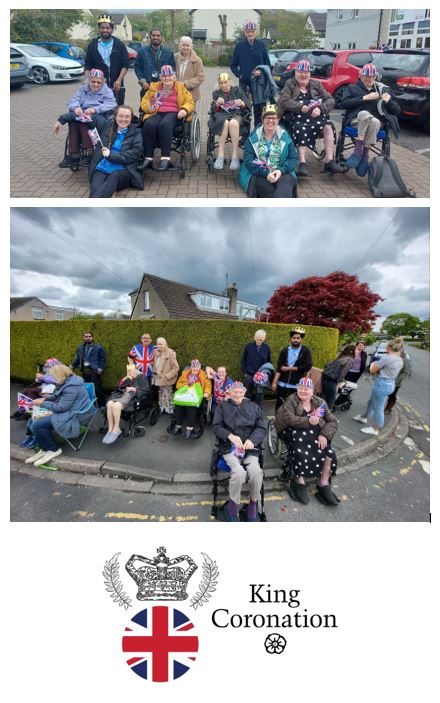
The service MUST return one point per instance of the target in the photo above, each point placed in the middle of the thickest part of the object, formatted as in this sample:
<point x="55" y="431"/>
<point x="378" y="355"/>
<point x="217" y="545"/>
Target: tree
<point x="37" y="25"/>
<point x="401" y="324"/>
<point x="172" y="23"/>
<point x="289" y="29"/>
<point x="336" y="300"/>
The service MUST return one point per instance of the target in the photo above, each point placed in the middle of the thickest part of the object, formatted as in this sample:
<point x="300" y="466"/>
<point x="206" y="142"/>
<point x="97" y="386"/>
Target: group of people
<point x="304" y="419"/>
<point x="117" y="146"/>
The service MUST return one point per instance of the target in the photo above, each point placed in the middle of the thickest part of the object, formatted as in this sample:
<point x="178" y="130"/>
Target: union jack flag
<point x="24" y="402"/>
<point x="318" y="412"/>
<point x="83" y="118"/>
<point x="157" y="645"/>
<point x="94" y="136"/>
<point x="144" y="358"/>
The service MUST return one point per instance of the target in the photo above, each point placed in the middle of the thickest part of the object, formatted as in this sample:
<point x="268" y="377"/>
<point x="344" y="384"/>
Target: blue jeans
<point x="379" y="395"/>
<point x="43" y="432"/>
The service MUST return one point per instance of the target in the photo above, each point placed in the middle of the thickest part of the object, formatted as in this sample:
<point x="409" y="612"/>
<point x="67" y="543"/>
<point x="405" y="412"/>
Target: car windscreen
<point x="411" y="63"/>
<point x="321" y="64"/>
<point x="35" y="50"/>
<point x="76" y="51"/>
<point x="288" y="56"/>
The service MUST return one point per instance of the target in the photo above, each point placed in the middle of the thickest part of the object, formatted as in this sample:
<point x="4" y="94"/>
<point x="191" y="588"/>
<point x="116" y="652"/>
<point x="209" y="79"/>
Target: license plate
<point x="277" y="78"/>
<point x="15" y="66"/>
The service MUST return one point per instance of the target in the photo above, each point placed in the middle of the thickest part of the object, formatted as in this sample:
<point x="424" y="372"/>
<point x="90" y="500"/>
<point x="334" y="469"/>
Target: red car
<point x="131" y="55"/>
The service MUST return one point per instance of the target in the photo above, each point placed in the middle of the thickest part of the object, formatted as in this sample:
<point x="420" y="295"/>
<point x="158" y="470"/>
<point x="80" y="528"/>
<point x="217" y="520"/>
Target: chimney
<point x="232" y="294"/>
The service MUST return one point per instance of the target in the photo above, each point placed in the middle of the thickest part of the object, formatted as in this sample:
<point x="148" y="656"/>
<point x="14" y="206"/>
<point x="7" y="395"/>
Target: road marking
<point x="422" y="151"/>
<point x="83" y="514"/>
<point x="206" y="503"/>
<point x="153" y="518"/>
<point x="425" y="466"/>
<point x="347" y="440"/>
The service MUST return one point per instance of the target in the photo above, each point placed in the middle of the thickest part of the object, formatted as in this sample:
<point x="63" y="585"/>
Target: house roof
<point x="18" y="302"/>
<point x="319" y="20"/>
<point x="177" y="299"/>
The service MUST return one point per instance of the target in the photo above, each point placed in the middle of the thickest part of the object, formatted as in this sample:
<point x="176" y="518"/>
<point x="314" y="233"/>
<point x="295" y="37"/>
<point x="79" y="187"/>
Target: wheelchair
<point x="203" y="417"/>
<point x="143" y="409"/>
<point x="318" y="150"/>
<point x="212" y="139"/>
<point x="347" y="141"/>
<point x="186" y="141"/>
<point x="218" y="465"/>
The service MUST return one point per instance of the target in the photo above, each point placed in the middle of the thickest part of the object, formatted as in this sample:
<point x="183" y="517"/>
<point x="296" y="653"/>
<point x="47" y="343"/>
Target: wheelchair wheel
<point x="345" y="406"/>
<point x="154" y="416"/>
<point x="273" y="440"/>
<point x="139" y="431"/>
<point x="195" y="139"/>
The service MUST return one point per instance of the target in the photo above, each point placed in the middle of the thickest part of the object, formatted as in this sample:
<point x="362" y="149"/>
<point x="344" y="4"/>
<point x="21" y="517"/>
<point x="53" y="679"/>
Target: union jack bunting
<point x="160" y="644"/>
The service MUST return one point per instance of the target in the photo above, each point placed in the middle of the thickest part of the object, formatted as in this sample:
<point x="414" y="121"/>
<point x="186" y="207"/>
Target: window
<point x="394" y="43"/>
<point x="419" y="43"/>
<point x="394" y="30"/>
<point x="354" y="14"/>
<point x="360" y="59"/>
<point x="427" y="42"/>
<point x="37" y="313"/>
<point x="405" y="43"/>
<point x="339" y="14"/>
<point x="408" y="28"/>
<point x="337" y="46"/>
<point x="146" y="300"/>
<point x="352" y="45"/>
<point x="59" y="316"/>
<point x="424" y="27"/>
<point x="427" y="13"/>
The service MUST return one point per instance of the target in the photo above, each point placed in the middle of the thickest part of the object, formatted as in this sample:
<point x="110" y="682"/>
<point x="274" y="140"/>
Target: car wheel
<point x="337" y="95"/>
<point x="40" y="75"/>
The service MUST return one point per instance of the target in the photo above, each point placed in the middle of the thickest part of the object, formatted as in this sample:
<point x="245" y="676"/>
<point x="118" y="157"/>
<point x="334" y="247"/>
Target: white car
<point x="46" y="66"/>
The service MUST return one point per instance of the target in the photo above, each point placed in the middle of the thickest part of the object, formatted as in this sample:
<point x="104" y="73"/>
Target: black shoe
<point x="284" y="475"/>
<point x="333" y="167"/>
<point x="69" y="161"/>
<point x="189" y="434"/>
<point x="326" y="495"/>
<point x="145" y="165"/>
<point x="164" y="165"/>
<point x="85" y="161"/>
<point x="176" y="430"/>
<point x="298" y="492"/>
<point x="303" y="170"/>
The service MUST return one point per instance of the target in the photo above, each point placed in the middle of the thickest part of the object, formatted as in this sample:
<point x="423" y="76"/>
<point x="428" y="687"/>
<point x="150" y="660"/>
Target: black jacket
<point x="353" y="102"/>
<point x="245" y="420"/>
<point x="118" y="60"/>
<point x="131" y="151"/>
<point x="303" y="362"/>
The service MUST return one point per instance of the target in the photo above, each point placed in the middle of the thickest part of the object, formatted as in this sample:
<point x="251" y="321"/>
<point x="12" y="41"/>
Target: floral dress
<point x="304" y="458"/>
<point x="305" y="129"/>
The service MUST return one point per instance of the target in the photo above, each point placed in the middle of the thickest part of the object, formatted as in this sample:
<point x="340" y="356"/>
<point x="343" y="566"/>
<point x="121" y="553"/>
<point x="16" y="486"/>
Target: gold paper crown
<point x="223" y="77"/>
<point x="269" y="109"/>
<point x="298" y="330"/>
<point x="104" y="18"/>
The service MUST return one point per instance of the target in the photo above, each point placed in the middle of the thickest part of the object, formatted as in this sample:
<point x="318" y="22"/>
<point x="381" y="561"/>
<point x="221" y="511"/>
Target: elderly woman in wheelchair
<point x="304" y="105"/>
<point x="241" y="429"/>
<point x="94" y="97"/>
<point x="374" y="107"/>
<point x="133" y="386"/>
<point x="163" y="105"/>
<point x="228" y="111"/>
<point x="193" y="389"/>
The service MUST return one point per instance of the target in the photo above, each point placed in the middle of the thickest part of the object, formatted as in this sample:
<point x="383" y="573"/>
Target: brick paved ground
<point x="35" y="153"/>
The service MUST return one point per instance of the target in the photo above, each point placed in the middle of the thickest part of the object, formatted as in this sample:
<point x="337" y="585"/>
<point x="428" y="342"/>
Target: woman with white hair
<point x="165" y="374"/>
<point x="189" y="67"/>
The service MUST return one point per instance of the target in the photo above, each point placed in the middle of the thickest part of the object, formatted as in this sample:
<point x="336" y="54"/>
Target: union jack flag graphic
<point x="157" y="645"/>
<point x="24" y="402"/>
<point x="144" y="358"/>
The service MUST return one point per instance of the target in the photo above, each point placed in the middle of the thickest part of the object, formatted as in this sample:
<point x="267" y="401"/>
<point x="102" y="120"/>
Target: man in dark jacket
<point x="241" y="428"/>
<point x="110" y="55"/>
<point x="91" y="359"/>
<point x="255" y="354"/>
<point x="150" y="59"/>
<point x="248" y="54"/>
<point x="294" y="362"/>
<point x="373" y="105"/>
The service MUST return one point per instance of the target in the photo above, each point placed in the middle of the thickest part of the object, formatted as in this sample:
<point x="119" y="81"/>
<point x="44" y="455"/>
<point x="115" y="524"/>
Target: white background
<point x="62" y="633"/>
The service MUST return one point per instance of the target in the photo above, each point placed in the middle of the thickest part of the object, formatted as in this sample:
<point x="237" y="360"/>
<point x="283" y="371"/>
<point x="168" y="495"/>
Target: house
<point x="122" y="26"/>
<point x="26" y="309"/>
<point x="356" y="29"/>
<point x="207" y="26"/>
<point x="159" y="298"/>
<point x="316" y="21"/>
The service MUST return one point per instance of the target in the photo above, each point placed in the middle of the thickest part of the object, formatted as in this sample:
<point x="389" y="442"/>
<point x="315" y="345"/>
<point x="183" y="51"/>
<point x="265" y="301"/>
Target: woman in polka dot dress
<point x="307" y="428"/>
<point x="304" y="106"/>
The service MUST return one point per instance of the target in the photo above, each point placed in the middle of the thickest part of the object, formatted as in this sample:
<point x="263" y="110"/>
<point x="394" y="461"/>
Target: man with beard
<point x="91" y="359"/>
<point x="110" y="55"/>
<point x="150" y="60"/>
<point x="294" y="362"/>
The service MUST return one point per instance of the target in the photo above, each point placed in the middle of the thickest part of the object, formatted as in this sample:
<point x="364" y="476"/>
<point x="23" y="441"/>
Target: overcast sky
<point x="91" y="258"/>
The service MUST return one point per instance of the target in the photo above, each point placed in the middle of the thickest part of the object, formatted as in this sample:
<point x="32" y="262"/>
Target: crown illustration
<point x="104" y="18"/>
<point x="160" y="578"/>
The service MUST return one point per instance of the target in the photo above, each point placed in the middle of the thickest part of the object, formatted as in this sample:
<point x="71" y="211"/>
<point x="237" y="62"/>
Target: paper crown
<point x="303" y="66"/>
<point x="237" y="384"/>
<point x="103" y="17"/>
<point x="269" y="109"/>
<point x="195" y="364"/>
<point x="52" y="361"/>
<point x="305" y="383"/>
<point x="250" y="26"/>
<point x="96" y="73"/>
<point x="223" y="77"/>
<point x="297" y="330"/>
<point x="369" y="70"/>
<point x="167" y="71"/>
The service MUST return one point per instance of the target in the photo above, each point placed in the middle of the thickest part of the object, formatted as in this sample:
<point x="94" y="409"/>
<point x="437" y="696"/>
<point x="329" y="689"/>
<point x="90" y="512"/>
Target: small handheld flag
<point x="24" y="402"/>
<point x="94" y="136"/>
<point x="318" y="412"/>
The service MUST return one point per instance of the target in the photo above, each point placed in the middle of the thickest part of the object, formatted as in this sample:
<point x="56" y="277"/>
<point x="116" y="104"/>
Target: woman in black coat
<point x="113" y="166"/>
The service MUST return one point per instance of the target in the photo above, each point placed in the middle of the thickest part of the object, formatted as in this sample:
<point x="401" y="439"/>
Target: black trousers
<point x="184" y="414"/>
<point x="103" y="185"/>
<point x="329" y="389"/>
<point x="119" y="96"/>
<point x="283" y="392"/>
<point x="283" y="188"/>
<point x="159" y="130"/>
<point x="258" y="109"/>
<point x="94" y="377"/>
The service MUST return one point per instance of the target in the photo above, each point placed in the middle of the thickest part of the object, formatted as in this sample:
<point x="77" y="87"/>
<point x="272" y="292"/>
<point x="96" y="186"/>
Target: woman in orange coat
<point x="187" y="414"/>
<point x="164" y="103"/>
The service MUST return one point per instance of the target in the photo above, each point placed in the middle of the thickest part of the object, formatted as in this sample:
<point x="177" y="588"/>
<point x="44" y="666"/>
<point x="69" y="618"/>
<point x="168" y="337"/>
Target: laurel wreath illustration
<point x="114" y="584"/>
<point x="208" y="584"/>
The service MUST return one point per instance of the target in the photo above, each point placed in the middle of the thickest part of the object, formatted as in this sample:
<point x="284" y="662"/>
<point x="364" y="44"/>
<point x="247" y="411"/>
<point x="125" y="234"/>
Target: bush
<point x="225" y="58"/>
<point x="214" y="342"/>
<point x="207" y="62"/>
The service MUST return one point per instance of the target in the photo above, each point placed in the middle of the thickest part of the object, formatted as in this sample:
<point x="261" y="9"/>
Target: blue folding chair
<point x="85" y="427"/>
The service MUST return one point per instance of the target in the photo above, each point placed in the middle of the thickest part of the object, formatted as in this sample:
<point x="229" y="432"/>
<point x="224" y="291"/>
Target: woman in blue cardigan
<point x="270" y="158"/>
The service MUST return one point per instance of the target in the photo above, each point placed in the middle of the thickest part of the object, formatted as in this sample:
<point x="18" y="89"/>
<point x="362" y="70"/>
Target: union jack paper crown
<point x="236" y="384"/>
<point x="52" y="361"/>
<point x="250" y="26"/>
<point x="303" y="65"/>
<point x="369" y="70"/>
<point x="167" y="71"/>
<point x="96" y="73"/>
<point x="306" y="383"/>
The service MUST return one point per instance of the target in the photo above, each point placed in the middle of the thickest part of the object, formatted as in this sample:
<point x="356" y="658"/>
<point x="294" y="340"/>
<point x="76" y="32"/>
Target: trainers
<point x="359" y="418"/>
<point x="370" y="430"/>
<point x="219" y="163"/>
<point x="234" y="165"/>
<point x="47" y="456"/>
<point x="35" y="457"/>
<point x="113" y="437"/>
<point x="303" y="170"/>
<point x="106" y="438"/>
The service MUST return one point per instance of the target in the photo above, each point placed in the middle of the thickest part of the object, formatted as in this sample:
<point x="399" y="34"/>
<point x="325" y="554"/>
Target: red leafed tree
<point x="336" y="300"/>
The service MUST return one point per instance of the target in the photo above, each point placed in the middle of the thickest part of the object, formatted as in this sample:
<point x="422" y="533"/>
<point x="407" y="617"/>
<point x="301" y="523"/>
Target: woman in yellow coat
<point x="164" y="103"/>
<point x="187" y="414"/>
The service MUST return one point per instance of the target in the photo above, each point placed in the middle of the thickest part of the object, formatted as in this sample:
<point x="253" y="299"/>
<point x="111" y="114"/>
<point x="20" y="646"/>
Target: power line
<point x="374" y="243"/>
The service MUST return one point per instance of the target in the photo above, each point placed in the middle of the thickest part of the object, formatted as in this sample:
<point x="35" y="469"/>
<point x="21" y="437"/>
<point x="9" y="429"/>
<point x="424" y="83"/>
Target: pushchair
<point x="343" y="400"/>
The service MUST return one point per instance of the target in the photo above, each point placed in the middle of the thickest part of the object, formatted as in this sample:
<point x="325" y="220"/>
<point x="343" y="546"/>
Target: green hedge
<point x="214" y="342"/>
